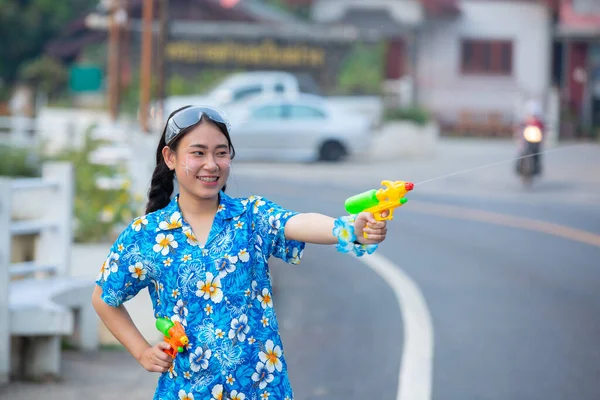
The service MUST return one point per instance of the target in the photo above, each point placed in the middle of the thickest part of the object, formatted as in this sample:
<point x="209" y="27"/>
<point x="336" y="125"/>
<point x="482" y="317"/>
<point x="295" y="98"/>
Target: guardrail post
<point x="5" y="246"/>
<point x="54" y="245"/>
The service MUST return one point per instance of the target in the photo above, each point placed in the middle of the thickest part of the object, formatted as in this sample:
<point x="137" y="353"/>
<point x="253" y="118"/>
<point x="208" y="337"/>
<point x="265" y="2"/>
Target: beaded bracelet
<point x="343" y="229"/>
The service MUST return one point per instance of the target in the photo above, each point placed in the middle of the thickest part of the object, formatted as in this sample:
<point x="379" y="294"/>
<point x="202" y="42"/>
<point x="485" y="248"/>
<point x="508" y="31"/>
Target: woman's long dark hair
<point x="161" y="185"/>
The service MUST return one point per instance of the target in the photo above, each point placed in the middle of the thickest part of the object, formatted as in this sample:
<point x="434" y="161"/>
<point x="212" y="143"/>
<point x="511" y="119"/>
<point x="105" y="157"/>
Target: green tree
<point x="45" y="74"/>
<point x="27" y="26"/>
<point x="362" y="72"/>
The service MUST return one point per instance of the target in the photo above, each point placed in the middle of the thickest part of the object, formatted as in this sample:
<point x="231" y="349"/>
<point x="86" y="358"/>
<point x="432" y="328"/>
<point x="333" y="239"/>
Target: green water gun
<point x="377" y="201"/>
<point x="174" y="335"/>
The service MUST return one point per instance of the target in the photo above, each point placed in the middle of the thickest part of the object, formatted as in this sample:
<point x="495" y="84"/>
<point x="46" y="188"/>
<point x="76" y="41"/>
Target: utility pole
<point x="163" y="37"/>
<point x="113" y="62"/>
<point x="112" y="18"/>
<point x="146" y="63"/>
<point x="125" y="62"/>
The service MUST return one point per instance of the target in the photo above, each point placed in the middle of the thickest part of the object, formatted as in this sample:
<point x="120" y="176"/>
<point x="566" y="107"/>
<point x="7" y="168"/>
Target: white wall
<point x="406" y="11"/>
<point x="443" y="88"/>
<point x="61" y="128"/>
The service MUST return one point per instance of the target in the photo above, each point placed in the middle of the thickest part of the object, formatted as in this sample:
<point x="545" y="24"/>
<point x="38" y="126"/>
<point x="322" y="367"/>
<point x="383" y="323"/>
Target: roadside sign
<point x="85" y="78"/>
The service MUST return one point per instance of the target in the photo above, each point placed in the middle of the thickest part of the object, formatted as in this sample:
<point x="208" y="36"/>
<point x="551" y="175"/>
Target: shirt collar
<point x="229" y="207"/>
<point x="170" y="217"/>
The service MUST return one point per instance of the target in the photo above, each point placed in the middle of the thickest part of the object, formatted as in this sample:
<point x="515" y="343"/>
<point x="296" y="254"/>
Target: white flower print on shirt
<point x="248" y="200"/>
<point x="189" y="234"/>
<point x="254" y="285"/>
<point x="265" y="298"/>
<point x="239" y="328"/>
<point x="164" y="243"/>
<point x="296" y="255"/>
<point x="274" y="223"/>
<point x="188" y="277"/>
<point x="243" y="255"/>
<point x="185" y="396"/>
<point x="226" y="265"/>
<point x="173" y="222"/>
<point x="172" y="372"/>
<point x="138" y="223"/>
<point x="199" y="359"/>
<point x="262" y="376"/>
<point x="180" y="313"/>
<point x="222" y="242"/>
<point x="138" y="271"/>
<point x="258" y="204"/>
<point x="271" y="356"/>
<point x="210" y="288"/>
<point x="207" y="332"/>
<point x="234" y="395"/>
<point x="229" y="355"/>
<point x="217" y="392"/>
<point x="113" y="297"/>
<point x="110" y="265"/>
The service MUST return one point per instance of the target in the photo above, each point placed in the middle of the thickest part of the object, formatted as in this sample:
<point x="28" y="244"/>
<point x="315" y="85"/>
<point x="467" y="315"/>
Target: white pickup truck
<point x="240" y="89"/>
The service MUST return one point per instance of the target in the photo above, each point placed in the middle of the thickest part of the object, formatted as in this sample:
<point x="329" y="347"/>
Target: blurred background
<point x="487" y="286"/>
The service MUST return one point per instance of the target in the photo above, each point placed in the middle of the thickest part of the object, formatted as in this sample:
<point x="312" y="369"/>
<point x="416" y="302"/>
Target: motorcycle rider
<point x="533" y="118"/>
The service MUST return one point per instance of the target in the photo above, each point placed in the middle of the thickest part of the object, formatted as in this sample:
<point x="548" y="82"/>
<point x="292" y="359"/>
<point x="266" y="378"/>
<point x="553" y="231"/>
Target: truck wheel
<point x="332" y="151"/>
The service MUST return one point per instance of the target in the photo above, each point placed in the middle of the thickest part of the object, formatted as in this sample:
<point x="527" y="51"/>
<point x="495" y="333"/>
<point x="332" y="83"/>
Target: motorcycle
<point x="529" y="163"/>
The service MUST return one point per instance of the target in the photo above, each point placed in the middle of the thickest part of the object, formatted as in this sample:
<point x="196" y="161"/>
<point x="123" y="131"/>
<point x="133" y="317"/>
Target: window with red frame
<point x="486" y="57"/>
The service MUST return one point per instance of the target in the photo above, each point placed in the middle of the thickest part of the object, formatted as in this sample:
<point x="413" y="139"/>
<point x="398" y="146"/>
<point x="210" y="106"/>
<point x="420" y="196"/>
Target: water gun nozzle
<point x="409" y="186"/>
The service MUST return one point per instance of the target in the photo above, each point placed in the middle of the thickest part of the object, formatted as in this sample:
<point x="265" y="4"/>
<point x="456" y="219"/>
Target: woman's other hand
<point x="154" y="359"/>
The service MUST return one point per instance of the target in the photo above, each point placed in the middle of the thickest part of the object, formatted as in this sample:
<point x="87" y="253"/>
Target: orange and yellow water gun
<point x="174" y="335"/>
<point x="377" y="201"/>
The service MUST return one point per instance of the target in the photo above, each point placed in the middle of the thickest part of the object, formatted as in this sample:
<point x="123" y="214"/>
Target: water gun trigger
<point x="379" y="217"/>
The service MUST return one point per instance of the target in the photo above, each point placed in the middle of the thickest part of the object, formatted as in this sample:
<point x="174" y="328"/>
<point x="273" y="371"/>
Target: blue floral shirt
<point x="220" y="292"/>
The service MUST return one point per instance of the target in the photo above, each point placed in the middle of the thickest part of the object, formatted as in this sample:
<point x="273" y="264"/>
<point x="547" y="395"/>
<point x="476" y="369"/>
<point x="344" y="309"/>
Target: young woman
<point x="204" y="257"/>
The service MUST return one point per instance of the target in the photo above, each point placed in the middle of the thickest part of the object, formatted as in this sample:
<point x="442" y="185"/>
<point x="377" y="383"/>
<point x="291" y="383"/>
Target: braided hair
<point x="161" y="184"/>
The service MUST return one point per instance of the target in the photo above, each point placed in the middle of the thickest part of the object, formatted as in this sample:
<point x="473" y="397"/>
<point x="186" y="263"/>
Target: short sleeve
<point x="270" y="220"/>
<point x="123" y="274"/>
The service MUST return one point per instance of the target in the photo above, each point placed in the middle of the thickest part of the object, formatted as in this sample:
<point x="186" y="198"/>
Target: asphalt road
<point x="514" y="310"/>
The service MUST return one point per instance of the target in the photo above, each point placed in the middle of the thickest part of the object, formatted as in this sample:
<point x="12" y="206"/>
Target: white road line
<point x="415" y="377"/>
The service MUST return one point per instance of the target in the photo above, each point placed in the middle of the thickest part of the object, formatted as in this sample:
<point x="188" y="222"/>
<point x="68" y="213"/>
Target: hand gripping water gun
<point x="376" y="201"/>
<point x="174" y="335"/>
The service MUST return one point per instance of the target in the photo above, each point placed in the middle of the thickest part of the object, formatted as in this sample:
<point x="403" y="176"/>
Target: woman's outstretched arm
<point x="318" y="228"/>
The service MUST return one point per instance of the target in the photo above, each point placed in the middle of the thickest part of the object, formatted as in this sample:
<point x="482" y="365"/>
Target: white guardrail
<point x="53" y="192"/>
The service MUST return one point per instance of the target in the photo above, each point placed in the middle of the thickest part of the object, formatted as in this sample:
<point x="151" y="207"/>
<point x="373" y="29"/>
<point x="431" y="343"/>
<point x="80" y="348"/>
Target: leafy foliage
<point x="19" y="162"/>
<point x="362" y="71"/>
<point x="417" y="115"/>
<point x="26" y="26"/>
<point x="99" y="212"/>
<point x="45" y="73"/>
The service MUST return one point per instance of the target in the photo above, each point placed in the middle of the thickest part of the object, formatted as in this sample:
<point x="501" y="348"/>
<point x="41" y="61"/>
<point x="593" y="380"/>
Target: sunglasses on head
<point x="191" y="116"/>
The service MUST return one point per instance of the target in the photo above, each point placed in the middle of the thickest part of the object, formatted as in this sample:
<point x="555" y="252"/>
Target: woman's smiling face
<point x="202" y="161"/>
